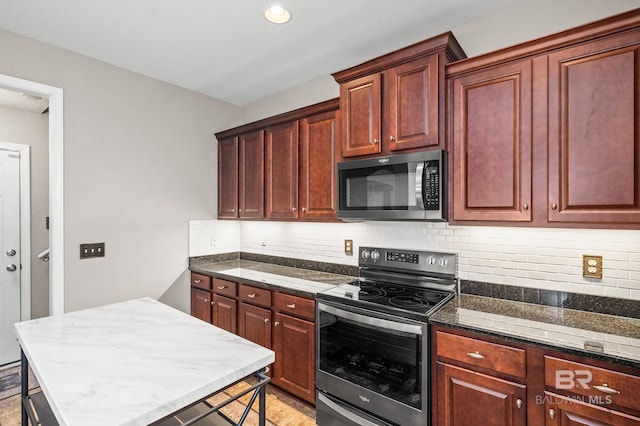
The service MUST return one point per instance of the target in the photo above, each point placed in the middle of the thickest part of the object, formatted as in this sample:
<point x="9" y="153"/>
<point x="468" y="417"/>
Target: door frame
<point x="25" y="225"/>
<point x="56" y="187"/>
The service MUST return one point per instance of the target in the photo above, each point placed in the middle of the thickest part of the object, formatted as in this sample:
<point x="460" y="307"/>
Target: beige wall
<point x="30" y="128"/>
<point x="139" y="162"/>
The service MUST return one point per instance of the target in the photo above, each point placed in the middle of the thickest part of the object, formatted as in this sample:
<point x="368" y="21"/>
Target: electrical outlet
<point x="348" y="246"/>
<point x="89" y="250"/>
<point x="591" y="266"/>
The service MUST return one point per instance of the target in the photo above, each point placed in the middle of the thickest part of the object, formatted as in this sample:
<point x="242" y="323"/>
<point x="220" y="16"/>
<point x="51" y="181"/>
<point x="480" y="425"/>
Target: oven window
<point x="381" y="360"/>
<point x="389" y="187"/>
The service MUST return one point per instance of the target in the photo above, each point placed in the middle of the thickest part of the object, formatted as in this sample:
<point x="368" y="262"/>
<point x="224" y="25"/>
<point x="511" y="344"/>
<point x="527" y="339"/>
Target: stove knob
<point x="443" y="262"/>
<point x="375" y="255"/>
<point x="431" y="260"/>
<point x="365" y="254"/>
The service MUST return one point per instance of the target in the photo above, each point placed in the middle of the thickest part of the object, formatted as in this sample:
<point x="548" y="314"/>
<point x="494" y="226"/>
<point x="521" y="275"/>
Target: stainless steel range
<point x="372" y="358"/>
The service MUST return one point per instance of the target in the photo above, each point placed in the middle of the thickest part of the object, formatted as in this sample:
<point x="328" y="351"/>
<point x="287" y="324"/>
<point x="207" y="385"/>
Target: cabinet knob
<point x="475" y="355"/>
<point x="266" y="320"/>
<point x="519" y="403"/>
<point x="392" y="138"/>
<point x="233" y="210"/>
<point x="304" y="209"/>
<point x="375" y="141"/>
<point x="554" y="206"/>
<point x="525" y="207"/>
<point x="213" y="302"/>
<point x="294" y="209"/>
<point x="206" y="300"/>
<point x="239" y="210"/>
<point x="277" y="323"/>
<point x="291" y="306"/>
<point x="552" y="413"/>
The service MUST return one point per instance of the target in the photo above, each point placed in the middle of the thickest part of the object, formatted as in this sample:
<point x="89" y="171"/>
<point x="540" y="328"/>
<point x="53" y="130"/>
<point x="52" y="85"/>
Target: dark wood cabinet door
<point x="360" y="104"/>
<point x="225" y="313"/>
<point x="281" y="177"/>
<point x="414" y="100"/>
<point x="294" y="345"/>
<point x="470" y="398"/>
<point x="254" y="323"/>
<point x="492" y="132"/>
<point x="201" y="304"/>
<point x="594" y="132"/>
<point x="317" y="195"/>
<point x="562" y="411"/>
<point x="228" y="178"/>
<point x="251" y="176"/>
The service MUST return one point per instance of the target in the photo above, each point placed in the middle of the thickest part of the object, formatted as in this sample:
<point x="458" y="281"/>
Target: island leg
<point x="24" y="379"/>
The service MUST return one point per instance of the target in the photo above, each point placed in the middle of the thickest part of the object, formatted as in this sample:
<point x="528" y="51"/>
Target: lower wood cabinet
<point x="479" y="379"/>
<point x="468" y="398"/>
<point x="201" y="304"/>
<point x="282" y="322"/>
<point x="254" y="323"/>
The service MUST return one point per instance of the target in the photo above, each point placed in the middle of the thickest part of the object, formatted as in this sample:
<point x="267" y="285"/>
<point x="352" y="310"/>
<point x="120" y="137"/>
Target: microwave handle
<point x="419" y="186"/>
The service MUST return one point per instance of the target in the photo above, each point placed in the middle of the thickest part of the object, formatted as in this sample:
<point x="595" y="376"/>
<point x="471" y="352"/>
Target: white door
<point x="10" y="254"/>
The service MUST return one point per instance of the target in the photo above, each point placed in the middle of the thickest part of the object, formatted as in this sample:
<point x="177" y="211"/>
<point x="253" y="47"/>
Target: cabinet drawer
<point x="200" y="281"/>
<point x="492" y="356"/>
<point x="599" y="384"/>
<point x="255" y="295"/>
<point x="299" y="306"/>
<point x="227" y="288"/>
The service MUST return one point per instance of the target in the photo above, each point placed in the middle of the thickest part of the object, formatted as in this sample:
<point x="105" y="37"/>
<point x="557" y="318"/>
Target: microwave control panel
<point x="431" y="185"/>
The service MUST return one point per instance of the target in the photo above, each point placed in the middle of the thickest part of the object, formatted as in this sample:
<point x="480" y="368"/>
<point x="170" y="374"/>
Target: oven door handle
<point x="347" y="414"/>
<point x="377" y="322"/>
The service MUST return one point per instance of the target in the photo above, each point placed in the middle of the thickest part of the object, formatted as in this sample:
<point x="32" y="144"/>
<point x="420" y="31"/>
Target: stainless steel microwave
<point x="395" y="187"/>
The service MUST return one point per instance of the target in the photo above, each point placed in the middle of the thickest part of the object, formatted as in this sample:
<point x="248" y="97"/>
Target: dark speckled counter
<point x="601" y="336"/>
<point x="299" y="281"/>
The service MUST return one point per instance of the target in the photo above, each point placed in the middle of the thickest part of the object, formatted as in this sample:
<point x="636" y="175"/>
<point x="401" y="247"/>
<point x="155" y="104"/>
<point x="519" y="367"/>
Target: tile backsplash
<point x="528" y="257"/>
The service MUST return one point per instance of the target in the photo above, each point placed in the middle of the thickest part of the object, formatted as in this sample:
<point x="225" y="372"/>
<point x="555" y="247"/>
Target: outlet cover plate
<point x="591" y="266"/>
<point x="348" y="246"/>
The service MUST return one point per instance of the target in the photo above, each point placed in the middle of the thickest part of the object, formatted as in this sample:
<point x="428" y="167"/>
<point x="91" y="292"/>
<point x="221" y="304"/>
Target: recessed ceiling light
<point x="277" y="14"/>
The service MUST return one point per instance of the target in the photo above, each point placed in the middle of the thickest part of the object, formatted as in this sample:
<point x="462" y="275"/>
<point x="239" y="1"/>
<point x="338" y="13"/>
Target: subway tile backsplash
<point x="528" y="257"/>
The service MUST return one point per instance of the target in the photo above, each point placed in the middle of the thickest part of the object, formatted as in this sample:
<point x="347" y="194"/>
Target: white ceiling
<point x="227" y="50"/>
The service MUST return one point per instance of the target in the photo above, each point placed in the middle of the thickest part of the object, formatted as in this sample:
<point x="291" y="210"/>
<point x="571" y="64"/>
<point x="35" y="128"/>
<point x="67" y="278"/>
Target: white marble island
<point x="132" y="363"/>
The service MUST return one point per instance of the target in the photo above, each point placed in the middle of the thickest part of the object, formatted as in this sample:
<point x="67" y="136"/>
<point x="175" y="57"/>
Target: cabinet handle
<point x="552" y="413"/>
<point x="221" y="287"/>
<point x="252" y="295"/>
<point x="525" y="206"/>
<point x="291" y="306"/>
<point x="392" y="138"/>
<point x="475" y="355"/>
<point x="554" y="206"/>
<point x="606" y="389"/>
<point x="196" y="281"/>
<point x="266" y="320"/>
<point x="277" y="323"/>
<point x="519" y="403"/>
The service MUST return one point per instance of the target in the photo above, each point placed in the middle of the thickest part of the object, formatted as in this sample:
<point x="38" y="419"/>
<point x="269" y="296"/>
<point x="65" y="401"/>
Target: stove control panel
<point x="412" y="260"/>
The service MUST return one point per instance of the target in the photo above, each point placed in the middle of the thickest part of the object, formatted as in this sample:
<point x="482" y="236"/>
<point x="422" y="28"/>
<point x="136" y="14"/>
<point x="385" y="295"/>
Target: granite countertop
<point x="602" y="336"/>
<point x="100" y="366"/>
<point x="304" y="282"/>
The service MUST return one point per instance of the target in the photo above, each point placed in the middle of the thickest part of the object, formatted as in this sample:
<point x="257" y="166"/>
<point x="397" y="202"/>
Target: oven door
<point x="375" y="362"/>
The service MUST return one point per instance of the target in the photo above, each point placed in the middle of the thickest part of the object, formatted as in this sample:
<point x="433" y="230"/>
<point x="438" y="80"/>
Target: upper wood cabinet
<point x="282" y="167"/>
<point x="492" y="133"/>
<point x="281" y="178"/>
<point x="241" y="176"/>
<point x="547" y="133"/>
<point x="594" y="132"/>
<point x="317" y="184"/>
<point x="396" y="102"/>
